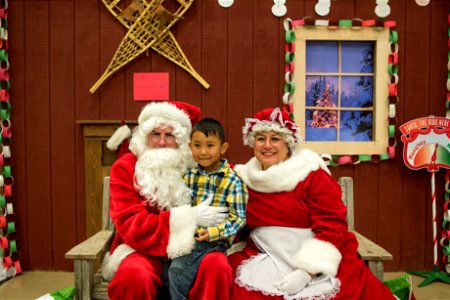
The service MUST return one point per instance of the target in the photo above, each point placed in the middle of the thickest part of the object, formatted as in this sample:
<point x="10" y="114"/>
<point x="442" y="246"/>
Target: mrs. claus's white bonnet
<point x="272" y="119"/>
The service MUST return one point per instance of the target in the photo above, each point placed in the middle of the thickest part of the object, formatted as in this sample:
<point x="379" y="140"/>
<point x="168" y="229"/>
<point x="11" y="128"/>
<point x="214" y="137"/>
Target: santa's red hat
<point x="119" y="140"/>
<point x="174" y="111"/>
<point x="272" y="119"/>
<point x="180" y="116"/>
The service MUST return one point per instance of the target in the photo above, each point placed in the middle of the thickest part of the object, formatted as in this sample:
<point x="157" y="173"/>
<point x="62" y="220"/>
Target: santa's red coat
<point x="300" y="193"/>
<point x="149" y="231"/>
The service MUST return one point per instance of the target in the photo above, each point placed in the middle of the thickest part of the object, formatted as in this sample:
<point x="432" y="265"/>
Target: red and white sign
<point x="426" y="143"/>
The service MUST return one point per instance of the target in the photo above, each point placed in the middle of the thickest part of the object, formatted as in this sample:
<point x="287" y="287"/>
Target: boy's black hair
<point x="210" y="126"/>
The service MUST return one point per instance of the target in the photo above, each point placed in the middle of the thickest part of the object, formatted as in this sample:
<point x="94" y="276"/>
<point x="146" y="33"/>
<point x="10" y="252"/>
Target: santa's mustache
<point x="162" y="158"/>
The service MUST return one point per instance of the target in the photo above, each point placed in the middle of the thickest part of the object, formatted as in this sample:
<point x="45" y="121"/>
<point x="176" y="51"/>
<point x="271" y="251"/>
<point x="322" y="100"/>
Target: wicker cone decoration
<point x="148" y="25"/>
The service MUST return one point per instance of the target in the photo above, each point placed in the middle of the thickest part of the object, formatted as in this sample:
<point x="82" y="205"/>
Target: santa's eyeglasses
<point x="156" y="136"/>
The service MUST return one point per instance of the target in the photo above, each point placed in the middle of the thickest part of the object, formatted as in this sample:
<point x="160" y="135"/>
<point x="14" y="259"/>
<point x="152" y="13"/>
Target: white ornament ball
<point x="226" y="3"/>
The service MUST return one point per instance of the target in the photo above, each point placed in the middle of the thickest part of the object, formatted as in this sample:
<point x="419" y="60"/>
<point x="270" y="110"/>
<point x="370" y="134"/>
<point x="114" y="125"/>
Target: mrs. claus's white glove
<point x="210" y="215"/>
<point x="293" y="282"/>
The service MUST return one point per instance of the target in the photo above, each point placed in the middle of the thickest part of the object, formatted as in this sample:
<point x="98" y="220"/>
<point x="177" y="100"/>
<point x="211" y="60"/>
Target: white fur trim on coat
<point x="183" y="225"/>
<point x="121" y="134"/>
<point x="316" y="256"/>
<point x="111" y="262"/>
<point x="283" y="177"/>
<point x="165" y="110"/>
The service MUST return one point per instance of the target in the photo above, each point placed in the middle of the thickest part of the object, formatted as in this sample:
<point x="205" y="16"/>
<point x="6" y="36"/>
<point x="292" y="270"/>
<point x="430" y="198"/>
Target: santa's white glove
<point x="293" y="282"/>
<point x="210" y="215"/>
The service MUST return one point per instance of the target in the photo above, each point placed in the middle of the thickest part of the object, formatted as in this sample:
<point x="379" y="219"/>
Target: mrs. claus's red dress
<point x="299" y="193"/>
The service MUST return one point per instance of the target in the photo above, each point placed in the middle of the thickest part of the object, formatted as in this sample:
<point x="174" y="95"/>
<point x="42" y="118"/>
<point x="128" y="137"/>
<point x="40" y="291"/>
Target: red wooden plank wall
<point x="58" y="49"/>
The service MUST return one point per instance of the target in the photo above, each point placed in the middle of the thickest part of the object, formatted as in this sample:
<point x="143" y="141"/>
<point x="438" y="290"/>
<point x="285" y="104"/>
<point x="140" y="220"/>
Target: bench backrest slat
<point x="347" y="197"/>
<point x="107" y="223"/>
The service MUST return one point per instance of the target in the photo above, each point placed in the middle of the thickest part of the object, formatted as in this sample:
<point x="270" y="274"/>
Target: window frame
<point x="381" y="79"/>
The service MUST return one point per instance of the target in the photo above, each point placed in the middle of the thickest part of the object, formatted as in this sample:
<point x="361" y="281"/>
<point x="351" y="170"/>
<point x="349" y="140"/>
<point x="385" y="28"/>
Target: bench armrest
<point x="368" y="250"/>
<point x="93" y="247"/>
<point x="373" y="255"/>
<point x="84" y="256"/>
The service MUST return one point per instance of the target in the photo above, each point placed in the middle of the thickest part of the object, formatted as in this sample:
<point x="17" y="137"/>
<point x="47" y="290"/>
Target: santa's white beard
<point x="159" y="177"/>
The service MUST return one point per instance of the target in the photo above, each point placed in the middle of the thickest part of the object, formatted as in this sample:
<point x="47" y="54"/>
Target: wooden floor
<point x="31" y="285"/>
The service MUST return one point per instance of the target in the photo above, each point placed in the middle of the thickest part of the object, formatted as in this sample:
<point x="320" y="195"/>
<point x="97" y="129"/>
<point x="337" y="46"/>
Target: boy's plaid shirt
<point x="228" y="189"/>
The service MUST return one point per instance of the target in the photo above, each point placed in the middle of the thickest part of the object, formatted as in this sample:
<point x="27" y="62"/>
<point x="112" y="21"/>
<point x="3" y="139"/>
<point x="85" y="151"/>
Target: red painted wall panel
<point x="58" y="49"/>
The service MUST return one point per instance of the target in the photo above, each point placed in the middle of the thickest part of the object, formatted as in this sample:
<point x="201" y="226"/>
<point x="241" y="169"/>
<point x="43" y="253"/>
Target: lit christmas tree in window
<point x="325" y="118"/>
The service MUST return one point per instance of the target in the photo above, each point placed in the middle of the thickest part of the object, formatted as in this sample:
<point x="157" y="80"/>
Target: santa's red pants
<point x="140" y="277"/>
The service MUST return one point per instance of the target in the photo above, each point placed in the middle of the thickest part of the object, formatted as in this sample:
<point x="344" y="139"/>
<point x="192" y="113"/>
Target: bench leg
<point x="84" y="278"/>
<point x="376" y="266"/>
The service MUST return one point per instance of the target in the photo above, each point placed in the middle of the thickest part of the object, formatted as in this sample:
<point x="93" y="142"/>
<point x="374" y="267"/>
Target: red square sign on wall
<point x="151" y="86"/>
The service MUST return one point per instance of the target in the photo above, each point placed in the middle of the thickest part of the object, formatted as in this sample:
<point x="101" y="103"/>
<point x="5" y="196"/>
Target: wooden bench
<point x="91" y="285"/>
<point x="372" y="254"/>
<point x="88" y="253"/>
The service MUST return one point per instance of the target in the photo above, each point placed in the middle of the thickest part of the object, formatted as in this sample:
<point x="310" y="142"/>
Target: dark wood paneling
<point x="62" y="130"/>
<point x="87" y="106"/>
<point x="189" y="37"/>
<point x="37" y="143"/>
<point x="58" y="49"/>
<point x="268" y="59"/>
<point x="390" y="203"/>
<point x="364" y="9"/>
<point x="346" y="10"/>
<point x="296" y="9"/>
<point x="215" y="46"/>
<point x="366" y="203"/>
<point x="112" y="91"/>
<point x="390" y="208"/>
<point x="415" y="105"/>
<point x="366" y="207"/>
<point x="242" y="42"/>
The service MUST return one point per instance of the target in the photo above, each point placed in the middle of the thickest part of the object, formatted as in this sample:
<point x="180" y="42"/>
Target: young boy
<point x="211" y="178"/>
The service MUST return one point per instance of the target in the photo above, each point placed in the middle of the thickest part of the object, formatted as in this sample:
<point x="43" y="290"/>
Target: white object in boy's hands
<point x="293" y="282"/>
<point x="210" y="215"/>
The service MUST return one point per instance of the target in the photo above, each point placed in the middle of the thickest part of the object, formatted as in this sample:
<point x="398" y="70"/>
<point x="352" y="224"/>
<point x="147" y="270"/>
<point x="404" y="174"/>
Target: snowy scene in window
<point x="339" y="93"/>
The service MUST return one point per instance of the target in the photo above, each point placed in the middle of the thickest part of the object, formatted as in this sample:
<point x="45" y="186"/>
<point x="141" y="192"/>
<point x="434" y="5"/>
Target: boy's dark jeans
<point x="182" y="270"/>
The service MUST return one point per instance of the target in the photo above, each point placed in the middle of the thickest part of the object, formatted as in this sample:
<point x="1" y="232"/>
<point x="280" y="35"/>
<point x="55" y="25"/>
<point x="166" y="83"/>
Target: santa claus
<point x="151" y="209"/>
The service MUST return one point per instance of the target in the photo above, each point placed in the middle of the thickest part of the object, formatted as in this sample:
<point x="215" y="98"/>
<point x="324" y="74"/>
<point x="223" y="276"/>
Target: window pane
<point x="357" y="57"/>
<point x="321" y="91"/>
<point x="321" y="56"/>
<point x="321" y="125"/>
<point x="357" y="91"/>
<point x="356" y="126"/>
